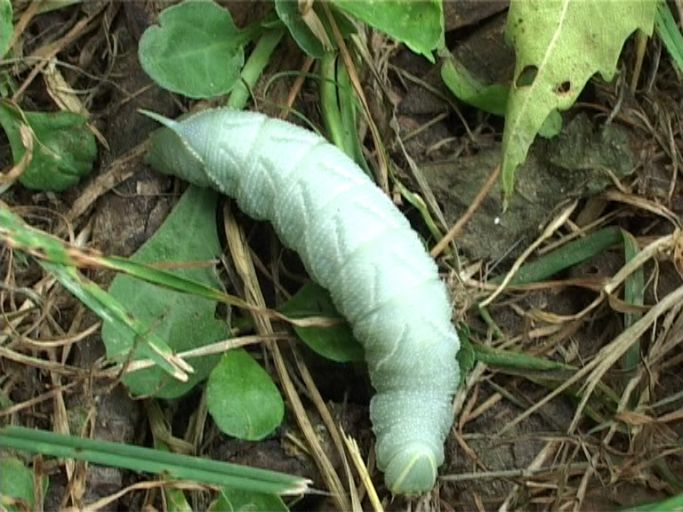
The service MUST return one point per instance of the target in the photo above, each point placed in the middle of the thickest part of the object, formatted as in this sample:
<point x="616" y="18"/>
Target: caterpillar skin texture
<point x="354" y="242"/>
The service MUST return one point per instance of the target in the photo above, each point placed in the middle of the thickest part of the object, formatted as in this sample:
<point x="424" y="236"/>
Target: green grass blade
<point x="673" y="504"/>
<point x="566" y="256"/>
<point x="634" y="294"/>
<point x="45" y="247"/>
<point x="136" y="458"/>
<point x="349" y="108"/>
<point x="169" y="280"/>
<point x="109" y="309"/>
<point x="670" y="34"/>
<point x="533" y="367"/>
<point x="421" y="206"/>
<point x="329" y="103"/>
<point x="518" y="360"/>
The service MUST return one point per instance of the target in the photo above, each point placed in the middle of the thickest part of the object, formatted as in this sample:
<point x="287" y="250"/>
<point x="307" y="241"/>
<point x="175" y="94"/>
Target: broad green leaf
<point x="559" y="45"/>
<point x="64" y="149"/>
<point x="183" y="320"/>
<point x="235" y="500"/>
<point x="242" y="398"/>
<point x="16" y="486"/>
<point x="196" y="50"/>
<point x="6" y="27"/>
<point x="335" y="342"/>
<point x="417" y="23"/>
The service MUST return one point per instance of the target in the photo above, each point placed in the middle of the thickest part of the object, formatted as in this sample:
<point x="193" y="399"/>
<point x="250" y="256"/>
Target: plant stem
<point x="252" y="70"/>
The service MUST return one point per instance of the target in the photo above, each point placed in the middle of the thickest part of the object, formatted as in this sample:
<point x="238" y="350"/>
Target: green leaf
<point x="335" y="342"/>
<point x="234" y="500"/>
<point x="196" y="50"/>
<point x="62" y="261"/>
<point x="176" y="500"/>
<point x="64" y="149"/>
<point x="467" y="357"/>
<point x="185" y="321"/>
<point x="634" y="294"/>
<point x="552" y="126"/>
<point x="466" y="87"/>
<point x="6" y="27"/>
<point x="559" y="45"/>
<point x="562" y="258"/>
<point x="111" y="310"/>
<point x="288" y="12"/>
<point x="670" y="34"/>
<point x="242" y="398"/>
<point x="417" y="23"/>
<point x="159" y="462"/>
<point x="490" y="98"/>
<point x="672" y="504"/>
<point x="513" y="359"/>
<point x="16" y="486"/>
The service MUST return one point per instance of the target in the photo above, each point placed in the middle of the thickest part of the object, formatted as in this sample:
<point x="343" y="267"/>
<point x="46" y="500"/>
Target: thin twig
<point x="458" y="226"/>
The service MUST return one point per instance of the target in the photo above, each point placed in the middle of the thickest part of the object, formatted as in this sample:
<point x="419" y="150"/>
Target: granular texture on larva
<point x="354" y="242"/>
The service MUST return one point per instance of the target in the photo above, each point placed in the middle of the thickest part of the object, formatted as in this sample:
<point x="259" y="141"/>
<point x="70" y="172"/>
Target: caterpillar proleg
<point x="354" y="242"/>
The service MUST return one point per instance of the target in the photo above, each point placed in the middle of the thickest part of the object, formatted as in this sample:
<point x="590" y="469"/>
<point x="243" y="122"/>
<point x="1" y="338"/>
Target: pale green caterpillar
<point x="354" y="242"/>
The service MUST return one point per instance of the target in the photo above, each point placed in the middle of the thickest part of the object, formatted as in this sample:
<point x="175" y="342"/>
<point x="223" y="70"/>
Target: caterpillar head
<point x="412" y="471"/>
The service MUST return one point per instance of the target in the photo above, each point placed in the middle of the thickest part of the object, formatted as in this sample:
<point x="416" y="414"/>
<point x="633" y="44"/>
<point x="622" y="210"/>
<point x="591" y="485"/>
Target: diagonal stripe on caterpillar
<point x="354" y="242"/>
